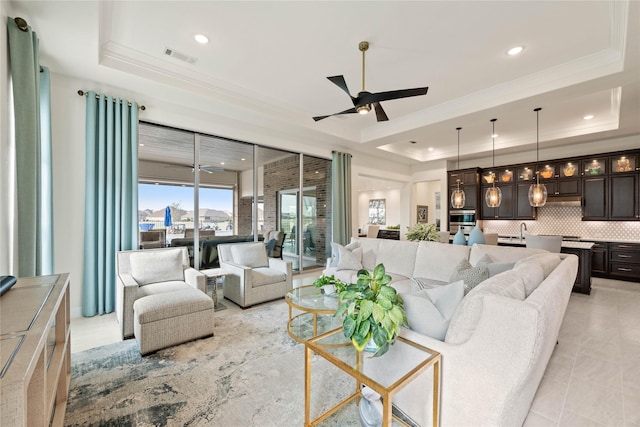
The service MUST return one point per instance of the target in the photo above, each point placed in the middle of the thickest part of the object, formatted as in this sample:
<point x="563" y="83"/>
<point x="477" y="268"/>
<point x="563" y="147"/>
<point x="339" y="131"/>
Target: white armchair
<point x="253" y="277"/>
<point x="150" y="272"/>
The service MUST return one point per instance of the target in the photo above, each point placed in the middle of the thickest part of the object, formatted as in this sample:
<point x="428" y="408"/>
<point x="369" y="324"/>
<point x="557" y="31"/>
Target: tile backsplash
<point x="566" y="220"/>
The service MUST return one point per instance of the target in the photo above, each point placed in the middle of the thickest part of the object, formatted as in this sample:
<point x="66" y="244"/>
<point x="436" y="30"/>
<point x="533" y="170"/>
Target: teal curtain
<point x="32" y="109"/>
<point x="111" y="196"/>
<point x="341" y="198"/>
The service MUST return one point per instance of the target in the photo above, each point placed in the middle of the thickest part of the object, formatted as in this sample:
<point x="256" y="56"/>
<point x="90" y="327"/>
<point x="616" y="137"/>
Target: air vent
<point x="179" y="55"/>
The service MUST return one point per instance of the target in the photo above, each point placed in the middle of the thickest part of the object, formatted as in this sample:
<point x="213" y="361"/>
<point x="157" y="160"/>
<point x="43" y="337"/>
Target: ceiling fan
<point x="203" y="168"/>
<point x="363" y="102"/>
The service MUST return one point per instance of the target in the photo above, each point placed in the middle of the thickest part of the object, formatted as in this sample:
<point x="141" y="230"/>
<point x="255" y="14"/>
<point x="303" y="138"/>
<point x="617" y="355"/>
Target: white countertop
<point x="565" y="244"/>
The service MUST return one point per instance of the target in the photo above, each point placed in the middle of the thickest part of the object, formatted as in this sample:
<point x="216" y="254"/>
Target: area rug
<point x="250" y="373"/>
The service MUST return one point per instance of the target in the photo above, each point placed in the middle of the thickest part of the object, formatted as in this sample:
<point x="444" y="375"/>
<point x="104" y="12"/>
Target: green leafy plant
<point x="330" y="281"/>
<point x="393" y="227"/>
<point x="371" y="310"/>
<point x="423" y="232"/>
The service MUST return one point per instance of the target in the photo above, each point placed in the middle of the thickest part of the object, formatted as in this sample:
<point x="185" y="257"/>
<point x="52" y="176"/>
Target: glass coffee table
<point x="317" y="310"/>
<point x="386" y="374"/>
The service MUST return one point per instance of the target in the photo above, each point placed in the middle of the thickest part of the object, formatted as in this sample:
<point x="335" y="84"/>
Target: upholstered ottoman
<point x="171" y="318"/>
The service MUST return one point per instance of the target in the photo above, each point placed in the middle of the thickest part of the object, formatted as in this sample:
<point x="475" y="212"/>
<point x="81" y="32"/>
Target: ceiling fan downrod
<point x="363" y="46"/>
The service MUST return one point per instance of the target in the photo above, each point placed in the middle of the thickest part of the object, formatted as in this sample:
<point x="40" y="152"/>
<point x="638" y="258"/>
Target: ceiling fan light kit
<point x="363" y="103"/>
<point x="493" y="195"/>
<point x="537" y="191"/>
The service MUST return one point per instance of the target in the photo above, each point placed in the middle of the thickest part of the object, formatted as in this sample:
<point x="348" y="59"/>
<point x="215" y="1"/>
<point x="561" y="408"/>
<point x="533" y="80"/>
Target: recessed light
<point x="515" y="50"/>
<point x="588" y="117"/>
<point x="243" y="159"/>
<point x="412" y="142"/>
<point x="222" y="163"/>
<point x="495" y="135"/>
<point x="430" y="148"/>
<point x="141" y="145"/>
<point x="201" y="38"/>
<point x="156" y="183"/>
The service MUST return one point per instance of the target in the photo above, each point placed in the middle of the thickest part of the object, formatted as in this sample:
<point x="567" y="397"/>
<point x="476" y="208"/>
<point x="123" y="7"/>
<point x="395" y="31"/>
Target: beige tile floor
<point x="593" y="377"/>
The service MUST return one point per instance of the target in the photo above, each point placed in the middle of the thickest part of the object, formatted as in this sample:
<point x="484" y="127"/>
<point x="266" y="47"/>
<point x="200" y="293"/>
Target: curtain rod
<point x="83" y="93"/>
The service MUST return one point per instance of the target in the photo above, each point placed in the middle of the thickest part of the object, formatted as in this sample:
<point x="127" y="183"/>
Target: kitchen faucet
<point x="525" y="229"/>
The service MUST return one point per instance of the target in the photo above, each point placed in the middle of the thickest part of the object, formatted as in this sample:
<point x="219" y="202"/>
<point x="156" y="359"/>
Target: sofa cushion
<point x="261" y="276"/>
<point x="463" y="323"/>
<point x="435" y="260"/>
<point x="156" y="266"/>
<point x="369" y="252"/>
<point x="169" y="305"/>
<point x="472" y="276"/>
<point x="349" y="260"/>
<point x="252" y="255"/>
<point x="420" y="283"/>
<point x="548" y="261"/>
<point x="501" y="253"/>
<point x="499" y="267"/>
<point x="430" y="310"/>
<point x="532" y="275"/>
<point x="397" y="256"/>
<point x="161" y="287"/>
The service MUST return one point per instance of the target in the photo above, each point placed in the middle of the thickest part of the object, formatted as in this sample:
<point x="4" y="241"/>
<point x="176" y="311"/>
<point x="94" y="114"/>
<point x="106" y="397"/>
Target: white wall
<point x="426" y="195"/>
<point x="393" y="203"/>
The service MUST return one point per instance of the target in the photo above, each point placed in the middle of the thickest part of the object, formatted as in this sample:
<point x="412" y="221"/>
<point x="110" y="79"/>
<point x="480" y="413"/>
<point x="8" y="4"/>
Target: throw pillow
<point x="252" y="256"/>
<point x="156" y="266"/>
<point x="429" y="311"/>
<point x="335" y="251"/>
<point x="472" y="276"/>
<point x="349" y="260"/>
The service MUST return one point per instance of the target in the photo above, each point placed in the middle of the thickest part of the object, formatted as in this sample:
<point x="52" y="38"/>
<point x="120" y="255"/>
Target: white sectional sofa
<point x="500" y="338"/>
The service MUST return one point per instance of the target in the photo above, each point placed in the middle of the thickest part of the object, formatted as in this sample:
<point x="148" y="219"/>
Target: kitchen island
<point x="581" y="249"/>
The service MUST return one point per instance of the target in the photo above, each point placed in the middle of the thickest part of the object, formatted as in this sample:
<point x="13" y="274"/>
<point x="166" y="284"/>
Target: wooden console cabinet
<point x="35" y="352"/>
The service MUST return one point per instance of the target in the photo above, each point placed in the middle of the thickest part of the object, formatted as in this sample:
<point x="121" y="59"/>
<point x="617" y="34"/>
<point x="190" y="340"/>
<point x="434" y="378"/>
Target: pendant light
<point x="537" y="191"/>
<point x="458" y="196"/>
<point x="493" y="195"/>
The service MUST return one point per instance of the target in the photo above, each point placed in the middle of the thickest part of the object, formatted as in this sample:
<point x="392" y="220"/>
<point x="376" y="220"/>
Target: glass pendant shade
<point x="493" y="197"/>
<point x="457" y="198"/>
<point x="537" y="195"/>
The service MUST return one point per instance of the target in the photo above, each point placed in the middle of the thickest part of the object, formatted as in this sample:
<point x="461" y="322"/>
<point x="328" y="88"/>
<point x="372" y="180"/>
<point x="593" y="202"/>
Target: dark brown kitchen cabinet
<point x="599" y="259"/>
<point x="624" y="261"/>
<point x="594" y="198"/>
<point x="564" y="187"/>
<point x="583" y="278"/>
<point x="468" y="183"/>
<point x="506" y="208"/>
<point x="524" y="210"/>
<point x="624" y="203"/>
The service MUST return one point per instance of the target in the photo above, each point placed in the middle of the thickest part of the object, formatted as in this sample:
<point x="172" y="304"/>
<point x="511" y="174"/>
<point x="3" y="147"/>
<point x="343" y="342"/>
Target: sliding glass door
<point x="202" y="190"/>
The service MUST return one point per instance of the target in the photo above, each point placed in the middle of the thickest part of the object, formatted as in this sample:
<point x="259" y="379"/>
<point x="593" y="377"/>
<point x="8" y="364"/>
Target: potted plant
<point x="329" y="284"/>
<point x="423" y="232"/>
<point x="371" y="310"/>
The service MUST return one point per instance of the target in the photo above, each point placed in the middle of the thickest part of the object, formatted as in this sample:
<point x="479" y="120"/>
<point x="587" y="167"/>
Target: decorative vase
<point x="370" y="408"/>
<point x="476" y="236"/>
<point x="458" y="238"/>
<point x="329" y="289"/>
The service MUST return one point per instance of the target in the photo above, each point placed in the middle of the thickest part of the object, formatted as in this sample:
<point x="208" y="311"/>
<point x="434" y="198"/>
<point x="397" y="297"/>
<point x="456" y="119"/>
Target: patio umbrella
<point x="167" y="217"/>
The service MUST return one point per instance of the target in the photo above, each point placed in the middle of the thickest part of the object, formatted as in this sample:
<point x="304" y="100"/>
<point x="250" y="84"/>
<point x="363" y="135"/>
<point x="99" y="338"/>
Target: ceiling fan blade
<point x="380" y="114"/>
<point x="394" y="94"/>
<point x="349" y="111"/>
<point x="342" y="84"/>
